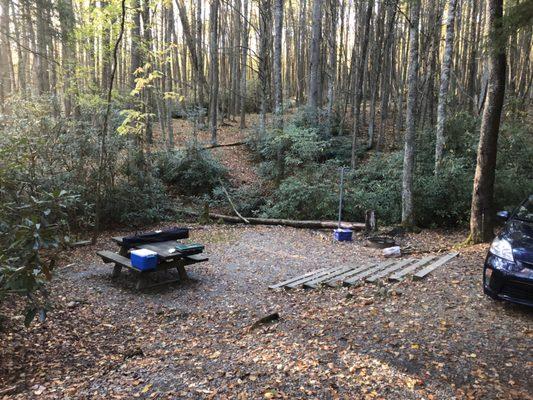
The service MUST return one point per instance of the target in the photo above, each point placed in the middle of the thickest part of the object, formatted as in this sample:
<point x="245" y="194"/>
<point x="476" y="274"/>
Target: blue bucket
<point x="342" y="235"/>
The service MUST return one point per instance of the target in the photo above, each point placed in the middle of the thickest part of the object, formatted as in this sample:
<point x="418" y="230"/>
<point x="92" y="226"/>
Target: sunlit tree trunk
<point x="444" y="85"/>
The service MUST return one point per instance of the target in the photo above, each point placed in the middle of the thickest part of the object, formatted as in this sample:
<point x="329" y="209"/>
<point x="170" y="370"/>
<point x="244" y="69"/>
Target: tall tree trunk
<point x="21" y="55"/>
<point x="264" y="31"/>
<point x="213" y="70"/>
<point x="41" y="59"/>
<point x="472" y="64"/>
<point x="169" y="86"/>
<point x="376" y="77"/>
<point x="332" y="63"/>
<point x="66" y="20"/>
<point x="314" y="55"/>
<point x="148" y="92"/>
<point x="106" y="53"/>
<point x="410" y="118"/>
<point x="388" y="66"/>
<point x="300" y="52"/>
<point x="444" y="85"/>
<point x="359" y="80"/>
<point x="5" y="79"/>
<point x="278" y="29"/>
<point x="200" y="54"/>
<point x="136" y="53"/>
<point x="244" y="64"/>
<point x="482" y="211"/>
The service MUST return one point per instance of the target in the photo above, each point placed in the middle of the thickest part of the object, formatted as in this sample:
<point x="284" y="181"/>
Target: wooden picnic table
<point x="168" y="258"/>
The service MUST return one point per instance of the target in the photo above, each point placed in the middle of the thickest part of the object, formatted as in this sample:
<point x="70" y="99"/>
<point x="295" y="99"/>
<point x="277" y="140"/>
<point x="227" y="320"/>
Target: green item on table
<point x="192" y="248"/>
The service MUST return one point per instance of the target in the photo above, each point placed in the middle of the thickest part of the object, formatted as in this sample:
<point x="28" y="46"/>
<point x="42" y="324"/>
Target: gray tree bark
<point x="314" y="77"/>
<point x="359" y="80"/>
<point x="213" y="70"/>
<point x="410" y="118"/>
<point x="278" y="93"/>
<point x="66" y="21"/>
<point x="43" y="77"/>
<point x="444" y="85"/>
<point x="244" y="64"/>
<point x="332" y="63"/>
<point x="265" y="17"/>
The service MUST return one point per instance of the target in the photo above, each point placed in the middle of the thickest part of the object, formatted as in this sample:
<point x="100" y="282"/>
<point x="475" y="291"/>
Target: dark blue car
<point x="508" y="270"/>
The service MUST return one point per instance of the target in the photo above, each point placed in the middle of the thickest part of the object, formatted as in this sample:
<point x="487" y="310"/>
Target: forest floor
<point x="439" y="338"/>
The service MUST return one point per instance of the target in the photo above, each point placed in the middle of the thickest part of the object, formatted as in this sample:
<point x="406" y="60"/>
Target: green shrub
<point x="192" y="171"/>
<point x="284" y="150"/>
<point x="444" y="200"/>
<point x="31" y="231"/>
<point x="302" y="197"/>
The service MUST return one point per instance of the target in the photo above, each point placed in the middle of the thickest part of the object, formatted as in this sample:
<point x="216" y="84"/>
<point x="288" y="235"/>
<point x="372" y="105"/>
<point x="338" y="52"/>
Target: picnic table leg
<point x="116" y="271"/>
<point x="141" y="282"/>
<point x="181" y="272"/>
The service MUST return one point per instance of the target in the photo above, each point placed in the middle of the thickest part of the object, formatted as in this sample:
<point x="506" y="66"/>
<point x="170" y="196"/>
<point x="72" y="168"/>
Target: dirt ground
<point x="439" y="338"/>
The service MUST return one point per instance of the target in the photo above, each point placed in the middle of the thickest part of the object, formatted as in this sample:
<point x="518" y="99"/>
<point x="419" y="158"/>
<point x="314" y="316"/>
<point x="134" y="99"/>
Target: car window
<point x="525" y="210"/>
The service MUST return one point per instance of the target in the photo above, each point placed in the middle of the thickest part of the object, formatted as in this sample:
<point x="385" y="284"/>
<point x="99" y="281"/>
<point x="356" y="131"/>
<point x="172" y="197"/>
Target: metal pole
<point x="340" y="196"/>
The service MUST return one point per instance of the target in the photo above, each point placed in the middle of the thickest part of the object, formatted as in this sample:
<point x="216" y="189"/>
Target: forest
<point x="124" y="115"/>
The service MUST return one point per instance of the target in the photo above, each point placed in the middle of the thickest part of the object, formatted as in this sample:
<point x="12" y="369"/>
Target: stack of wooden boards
<point x="392" y="270"/>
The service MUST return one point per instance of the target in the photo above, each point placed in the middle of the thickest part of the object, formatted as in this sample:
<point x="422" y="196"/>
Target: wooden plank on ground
<point x="398" y="276"/>
<point x="300" y="282"/>
<point x="441" y="261"/>
<point x="386" y="271"/>
<point x="339" y="278"/>
<point x="369" y="272"/>
<point x="317" y="281"/>
<point x="291" y="280"/>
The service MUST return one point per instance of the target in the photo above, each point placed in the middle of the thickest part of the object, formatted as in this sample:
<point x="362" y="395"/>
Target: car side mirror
<point x="503" y="215"/>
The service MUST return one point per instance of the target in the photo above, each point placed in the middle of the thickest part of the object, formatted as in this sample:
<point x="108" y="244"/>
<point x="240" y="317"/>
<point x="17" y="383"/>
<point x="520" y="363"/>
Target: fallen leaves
<point x="434" y="341"/>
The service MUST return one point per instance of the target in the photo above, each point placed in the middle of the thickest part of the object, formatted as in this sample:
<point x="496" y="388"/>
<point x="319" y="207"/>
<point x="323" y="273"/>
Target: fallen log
<point x="214" y="146"/>
<point x="304" y="224"/>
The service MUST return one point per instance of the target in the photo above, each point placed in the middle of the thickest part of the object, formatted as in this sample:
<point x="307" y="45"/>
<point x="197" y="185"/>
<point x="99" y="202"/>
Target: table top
<point x="165" y="250"/>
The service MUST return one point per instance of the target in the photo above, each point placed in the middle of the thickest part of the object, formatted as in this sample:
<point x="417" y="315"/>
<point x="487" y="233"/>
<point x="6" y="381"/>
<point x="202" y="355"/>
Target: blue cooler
<point x="143" y="259"/>
<point x="342" y="235"/>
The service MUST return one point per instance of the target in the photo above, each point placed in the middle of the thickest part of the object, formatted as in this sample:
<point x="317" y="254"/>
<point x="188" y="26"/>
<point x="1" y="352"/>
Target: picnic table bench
<point x="168" y="258"/>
